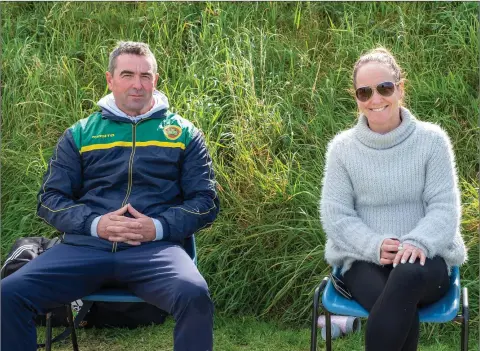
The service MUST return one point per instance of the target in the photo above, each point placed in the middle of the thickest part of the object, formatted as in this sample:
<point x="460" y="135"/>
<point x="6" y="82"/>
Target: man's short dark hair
<point x="131" y="48"/>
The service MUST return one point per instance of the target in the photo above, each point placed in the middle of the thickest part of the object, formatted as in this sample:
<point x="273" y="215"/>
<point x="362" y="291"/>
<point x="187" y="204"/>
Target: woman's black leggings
<point x="392" y="296"/>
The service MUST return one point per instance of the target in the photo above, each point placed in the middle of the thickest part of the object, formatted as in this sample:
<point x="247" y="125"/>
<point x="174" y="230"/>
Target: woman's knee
<point x="366" y="282"/>
<point x="409" y="273"/>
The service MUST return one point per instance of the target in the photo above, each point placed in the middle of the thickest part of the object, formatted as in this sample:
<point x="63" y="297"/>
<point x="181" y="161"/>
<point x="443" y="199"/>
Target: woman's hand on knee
<point x="409" y="253"/>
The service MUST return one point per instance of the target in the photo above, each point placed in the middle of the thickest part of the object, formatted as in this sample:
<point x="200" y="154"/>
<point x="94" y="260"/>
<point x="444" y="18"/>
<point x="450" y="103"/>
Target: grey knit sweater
<point x="401" y="184"/>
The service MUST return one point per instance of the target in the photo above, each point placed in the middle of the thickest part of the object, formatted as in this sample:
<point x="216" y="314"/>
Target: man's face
<point x="132" y="83"/>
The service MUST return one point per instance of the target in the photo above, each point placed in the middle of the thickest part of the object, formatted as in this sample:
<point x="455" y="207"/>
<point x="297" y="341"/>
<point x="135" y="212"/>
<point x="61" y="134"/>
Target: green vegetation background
<point x="268" y="83"/>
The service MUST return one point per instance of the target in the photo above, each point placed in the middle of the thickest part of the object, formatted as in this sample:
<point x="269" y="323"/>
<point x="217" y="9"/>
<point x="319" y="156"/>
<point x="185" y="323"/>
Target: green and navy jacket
<point x="160" y="165"/>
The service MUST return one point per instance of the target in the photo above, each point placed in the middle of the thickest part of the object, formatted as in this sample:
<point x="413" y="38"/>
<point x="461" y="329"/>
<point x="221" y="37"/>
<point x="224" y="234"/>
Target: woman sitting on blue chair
<point x="390" y="207"/>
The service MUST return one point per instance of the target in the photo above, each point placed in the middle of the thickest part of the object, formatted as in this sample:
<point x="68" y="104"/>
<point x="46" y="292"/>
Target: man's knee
<point x="8" y="290"/>
<point x="18" y="291"/>
<point x="192" y="293"/>
<point x="12" y="292"/>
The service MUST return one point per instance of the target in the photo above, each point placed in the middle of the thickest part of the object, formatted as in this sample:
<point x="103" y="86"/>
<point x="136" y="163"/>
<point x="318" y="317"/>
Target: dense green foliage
<point x="269" y="84"/>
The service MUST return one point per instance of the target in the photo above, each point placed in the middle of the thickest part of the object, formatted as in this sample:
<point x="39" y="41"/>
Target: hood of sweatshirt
<point x="108" y="106"/>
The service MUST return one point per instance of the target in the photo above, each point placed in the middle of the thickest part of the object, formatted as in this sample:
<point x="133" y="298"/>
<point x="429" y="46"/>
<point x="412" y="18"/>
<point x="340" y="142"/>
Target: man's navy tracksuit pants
<point x="161" y="273"/>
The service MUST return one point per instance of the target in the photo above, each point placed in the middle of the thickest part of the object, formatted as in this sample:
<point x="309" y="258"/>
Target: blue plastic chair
<point x="444" y="310"/>
<point x="103" y="295"/>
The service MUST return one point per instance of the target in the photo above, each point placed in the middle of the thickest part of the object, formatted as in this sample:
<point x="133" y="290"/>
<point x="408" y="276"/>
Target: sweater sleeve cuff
<point x="165" y="227"/>
<point x="378" y="246"/>
<point x="93" y="227"/>
<point x="87" y="225"/>
<point x="418" y="245"/>
<point x="158" y="229"/>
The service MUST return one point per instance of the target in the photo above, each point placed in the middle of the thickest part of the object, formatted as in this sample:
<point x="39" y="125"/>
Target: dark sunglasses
<point x="385" y="89"/>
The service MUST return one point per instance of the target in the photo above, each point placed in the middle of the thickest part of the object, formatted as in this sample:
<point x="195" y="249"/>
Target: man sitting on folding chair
<point x="390" y="207"/>
<point x="126" y="185"/>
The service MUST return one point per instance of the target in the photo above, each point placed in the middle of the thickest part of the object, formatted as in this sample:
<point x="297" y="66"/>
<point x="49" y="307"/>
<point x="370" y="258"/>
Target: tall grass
<point x="269" y="85"/>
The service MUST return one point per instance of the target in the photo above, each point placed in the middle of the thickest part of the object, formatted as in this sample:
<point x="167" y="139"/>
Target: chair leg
<point x="71" y="325"/>
<point x="328" y="330"/>
<point x="48" y="333"/>
<point x="74" y="323"/>
<point x="316" y="300"/>
<point x="465" y="319"/>
<point x="87" y="305"/>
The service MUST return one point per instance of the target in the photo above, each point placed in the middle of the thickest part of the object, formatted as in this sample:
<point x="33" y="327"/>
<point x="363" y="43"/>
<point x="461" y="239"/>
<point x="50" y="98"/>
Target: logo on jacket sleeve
<point x="172" y="132"/>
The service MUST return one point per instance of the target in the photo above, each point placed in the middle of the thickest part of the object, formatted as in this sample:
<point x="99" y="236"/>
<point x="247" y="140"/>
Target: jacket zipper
<point x="130" y="165"/>
<point x="130" y="169"/>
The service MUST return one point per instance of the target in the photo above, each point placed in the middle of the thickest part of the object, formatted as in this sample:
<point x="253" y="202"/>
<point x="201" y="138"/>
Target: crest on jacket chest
<point x="172" y="132"/>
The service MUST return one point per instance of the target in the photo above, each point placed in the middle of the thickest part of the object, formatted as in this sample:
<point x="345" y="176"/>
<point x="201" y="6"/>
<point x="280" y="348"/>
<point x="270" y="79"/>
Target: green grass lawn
<point x="245" y="333"/>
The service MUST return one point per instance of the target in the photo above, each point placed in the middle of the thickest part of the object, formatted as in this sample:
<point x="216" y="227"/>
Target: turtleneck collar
<point x="385" y="141"/>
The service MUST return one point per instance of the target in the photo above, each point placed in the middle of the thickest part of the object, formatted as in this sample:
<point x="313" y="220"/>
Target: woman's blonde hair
<point x="380" y="55"/>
